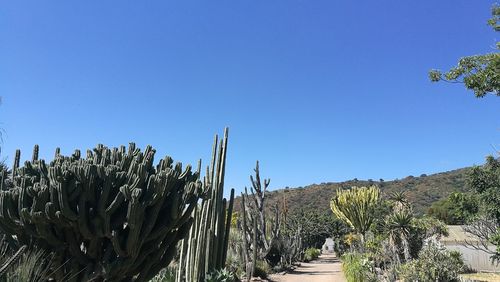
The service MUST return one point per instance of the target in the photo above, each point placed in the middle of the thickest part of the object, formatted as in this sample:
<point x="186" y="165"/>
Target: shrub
<point x="311" y="254"/>
<point x="222" y="275"/>
<point x="434" y="263"/>
<point x="31" y="265"/>
<point x="262" y="269"/>
<point x="165" y="275"/>
<point x="357" y="268"/>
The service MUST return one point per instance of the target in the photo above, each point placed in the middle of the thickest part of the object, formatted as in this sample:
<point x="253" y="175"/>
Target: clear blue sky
<point x="318" y="91"/>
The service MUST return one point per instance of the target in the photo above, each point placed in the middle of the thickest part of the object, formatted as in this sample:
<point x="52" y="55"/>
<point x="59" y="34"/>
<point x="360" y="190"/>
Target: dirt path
<point x="325" y="269"/>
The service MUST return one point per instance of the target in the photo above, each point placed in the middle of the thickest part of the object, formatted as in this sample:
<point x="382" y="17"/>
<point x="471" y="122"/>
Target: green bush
<point x="165" y="275"/>
<point x="357" y="267"/>
<point x="262" y="269"/>
<point x="434" y="263"/>
<point x="31" y="265"/>
<point x="222" y="275"/>
<point x="311" y="254"/>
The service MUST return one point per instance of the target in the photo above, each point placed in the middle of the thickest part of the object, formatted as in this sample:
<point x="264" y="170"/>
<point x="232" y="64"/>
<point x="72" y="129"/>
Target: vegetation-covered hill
<point x="421" y="191"/>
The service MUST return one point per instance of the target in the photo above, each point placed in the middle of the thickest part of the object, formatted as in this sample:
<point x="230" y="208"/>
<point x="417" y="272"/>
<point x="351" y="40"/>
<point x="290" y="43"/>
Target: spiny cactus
<point x="256" y="241"/>
<point x="205" y="248"/>
<point x="112" y="216"/>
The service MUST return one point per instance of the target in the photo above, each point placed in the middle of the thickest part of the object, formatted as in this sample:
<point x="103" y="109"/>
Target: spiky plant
<point x="356" y="207"/>
<point x="398" y="226"/>
<point x="112" y="216"/>
<point x="399" y="200"/>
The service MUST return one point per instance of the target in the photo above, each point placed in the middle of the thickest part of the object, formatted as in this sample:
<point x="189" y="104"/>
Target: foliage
<point x="422" y="229"/>
<point x="399" y="200"/>
<point x="357" y="267"/>
<point x="235" y="261"/>
<point x="111" y="215"/>
<point x="434" y="263"/>
<point x="221" y="275"/>
<point x="165" y="275"/>
<point x="457" y="209"/>
<point x="479" y="73"/>
<point x="262" y="269"/>
<point x="352" y="240"/>
<point x="311" y="254"/>
<point x="495" y="240"/>
<point x="485" y="180"/>
<point x="356" y="207"/>
<point x="398" y="236"/>
<point x="316" y="226"/>
<point x="23" y="265"/>
<point x="398" y="229"/>
<point x="286" y="249"/>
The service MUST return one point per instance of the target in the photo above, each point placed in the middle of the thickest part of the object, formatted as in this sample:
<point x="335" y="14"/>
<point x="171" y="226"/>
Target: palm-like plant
<point x="399" y="200"/>
<point x="356" y="207"/>
<point x="398" y="227"/>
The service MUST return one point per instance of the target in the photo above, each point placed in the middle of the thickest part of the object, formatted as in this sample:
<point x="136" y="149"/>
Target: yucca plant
<point x="398" y="226"/>
<point x="399" y="200"/>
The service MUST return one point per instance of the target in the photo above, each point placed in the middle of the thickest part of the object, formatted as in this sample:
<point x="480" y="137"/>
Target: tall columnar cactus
<point x="205" y="248"/>
<point x="112" y="216"/>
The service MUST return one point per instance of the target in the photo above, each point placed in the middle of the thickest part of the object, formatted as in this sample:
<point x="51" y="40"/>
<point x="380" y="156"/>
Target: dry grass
<point x="486" y="277"/>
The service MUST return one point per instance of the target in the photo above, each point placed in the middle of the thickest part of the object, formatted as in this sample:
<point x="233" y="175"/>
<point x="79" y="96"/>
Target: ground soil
<point x="325" y="269"/>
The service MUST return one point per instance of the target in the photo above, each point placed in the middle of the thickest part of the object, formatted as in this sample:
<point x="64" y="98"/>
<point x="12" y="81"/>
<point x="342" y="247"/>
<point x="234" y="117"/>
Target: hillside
<point x="422" y="191"/>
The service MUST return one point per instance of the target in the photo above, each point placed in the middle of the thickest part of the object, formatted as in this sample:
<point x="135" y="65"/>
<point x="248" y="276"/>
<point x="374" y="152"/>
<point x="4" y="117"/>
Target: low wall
<point x="476" y="259"/>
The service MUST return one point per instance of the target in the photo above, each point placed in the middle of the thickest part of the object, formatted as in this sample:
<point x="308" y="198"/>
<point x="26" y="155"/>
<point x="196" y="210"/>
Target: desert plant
<point x="311" y="254"/>
<point x="32" y="265"/>
<point x="399" y="200"/>
<point x="286" y="249"/>
<point x="434" y="263"/>
<point x="356" y="207"/>
<point x="23" y="264"/>
<point x="221" y="275"/>
<point x="262" y="269"/>
<point x="165" y="275"/>
<point x="357" y="268"/>
<point x="204" y="250"/>
<point x="257" y="241"/>
<point x="398" y="227"/>
<point x="109" y="216"/>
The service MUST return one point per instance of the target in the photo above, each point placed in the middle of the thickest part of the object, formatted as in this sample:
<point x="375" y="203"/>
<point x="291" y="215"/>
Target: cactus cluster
<point x="205" y="248"/>
<point x="111" y="216"/>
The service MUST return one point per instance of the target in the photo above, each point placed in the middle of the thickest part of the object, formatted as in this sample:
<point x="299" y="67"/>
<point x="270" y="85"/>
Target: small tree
<point x="485" y="181"/>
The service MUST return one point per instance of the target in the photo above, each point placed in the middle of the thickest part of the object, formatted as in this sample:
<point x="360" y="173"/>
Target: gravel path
<point x="327" y="268"/>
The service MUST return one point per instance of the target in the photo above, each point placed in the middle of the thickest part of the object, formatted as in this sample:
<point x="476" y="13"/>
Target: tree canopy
<point x="479" y="73"/>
